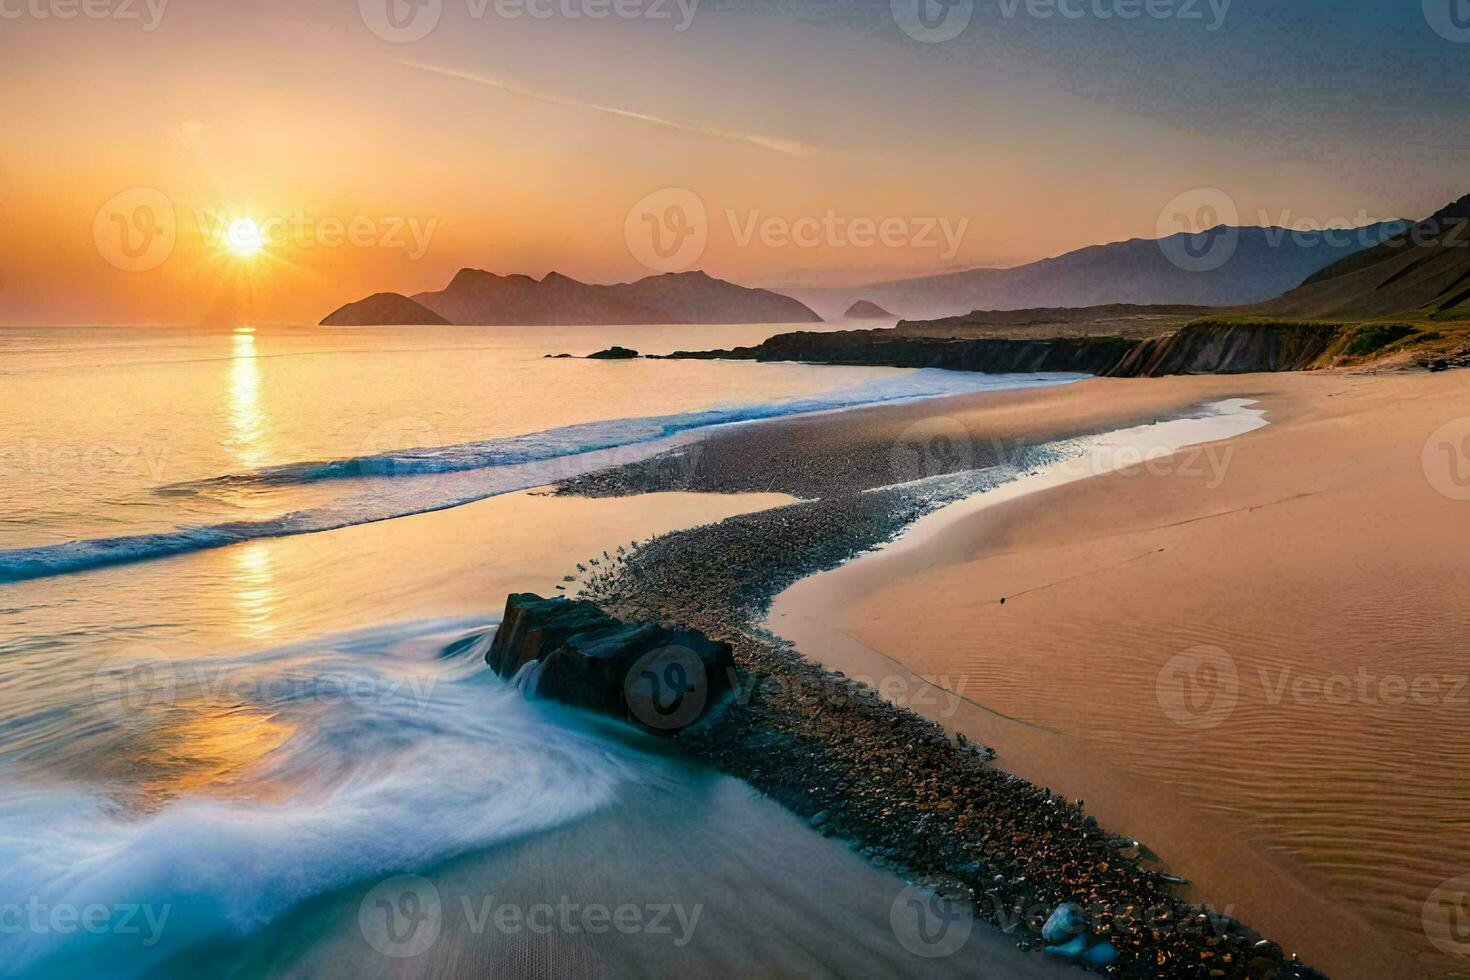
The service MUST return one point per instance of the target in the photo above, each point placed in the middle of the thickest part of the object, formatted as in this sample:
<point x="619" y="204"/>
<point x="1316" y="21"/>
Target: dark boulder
<point x="662" y="679"/>
<point x="613" y="353"/>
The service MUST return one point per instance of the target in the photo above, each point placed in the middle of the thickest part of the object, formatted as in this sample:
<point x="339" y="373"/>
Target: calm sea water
<point x="230" y="566"/>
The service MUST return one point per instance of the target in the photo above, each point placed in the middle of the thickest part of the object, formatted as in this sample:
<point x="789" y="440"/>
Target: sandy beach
<point x="1251" y="660"/>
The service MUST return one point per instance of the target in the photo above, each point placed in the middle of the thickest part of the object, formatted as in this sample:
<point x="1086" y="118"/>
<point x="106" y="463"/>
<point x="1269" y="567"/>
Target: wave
<point x="400" y="756"/>
<point x="417" y="481"/>
<point x="586" y="437"/>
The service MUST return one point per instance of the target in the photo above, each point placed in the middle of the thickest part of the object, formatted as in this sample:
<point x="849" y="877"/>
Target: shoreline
<point x="1109" y="577"/>
<point x="796" y="727"/>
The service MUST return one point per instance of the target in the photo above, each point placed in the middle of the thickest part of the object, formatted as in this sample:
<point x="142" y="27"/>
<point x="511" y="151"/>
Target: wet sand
<point x="1317" y="552"/>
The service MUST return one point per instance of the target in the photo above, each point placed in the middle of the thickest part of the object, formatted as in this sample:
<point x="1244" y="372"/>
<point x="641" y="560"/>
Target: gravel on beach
<point x="895" y="786"/>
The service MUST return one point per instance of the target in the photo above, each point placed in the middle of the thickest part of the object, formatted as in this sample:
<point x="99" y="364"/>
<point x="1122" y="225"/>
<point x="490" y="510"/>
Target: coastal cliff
<point x="1210" y="347"/>
<point x="1207" y="346"/>
<point x="887" y="348"/>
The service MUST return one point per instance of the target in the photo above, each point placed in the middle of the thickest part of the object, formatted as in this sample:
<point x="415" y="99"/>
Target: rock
<point x="1100" y="954"/>
<point x="1076" y="947"/>
<point x="557" y="356"/>
<point x="660" y="678"/>
<point x="1066" y="922"/>
<point x="613" y="353"/>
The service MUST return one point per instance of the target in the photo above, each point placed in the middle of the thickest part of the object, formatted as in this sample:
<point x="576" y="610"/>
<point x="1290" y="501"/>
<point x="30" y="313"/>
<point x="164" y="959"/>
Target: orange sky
<point x="521" y="146"/>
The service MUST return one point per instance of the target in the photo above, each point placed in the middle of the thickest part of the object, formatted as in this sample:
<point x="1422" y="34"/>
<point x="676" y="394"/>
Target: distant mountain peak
<point x="867" y="310"/>
<point x="383" y="309"/>
<point x="475" y="296"/>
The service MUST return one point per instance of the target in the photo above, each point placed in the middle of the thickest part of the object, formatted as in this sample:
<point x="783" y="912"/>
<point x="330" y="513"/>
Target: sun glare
<point x="244" y="237"/>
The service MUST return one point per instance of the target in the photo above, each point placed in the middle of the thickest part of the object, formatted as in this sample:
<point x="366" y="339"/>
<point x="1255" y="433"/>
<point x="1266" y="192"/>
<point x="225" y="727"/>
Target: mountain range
<point x="1225" y="266"/>
<point x="1425" y="271"/>
<point x="474" y="296"/>
<point x="1376" y="270"/>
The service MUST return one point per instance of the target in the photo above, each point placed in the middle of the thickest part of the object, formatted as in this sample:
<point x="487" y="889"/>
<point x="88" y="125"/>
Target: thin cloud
<point x="788" y="147"/>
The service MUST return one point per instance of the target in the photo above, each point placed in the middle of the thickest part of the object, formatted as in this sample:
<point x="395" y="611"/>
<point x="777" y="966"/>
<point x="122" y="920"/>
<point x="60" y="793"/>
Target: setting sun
<point x="244" y="237"/>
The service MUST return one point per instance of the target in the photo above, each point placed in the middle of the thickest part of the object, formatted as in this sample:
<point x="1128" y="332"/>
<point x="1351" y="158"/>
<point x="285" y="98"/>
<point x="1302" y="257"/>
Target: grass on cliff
<point x="1362" y="341"/>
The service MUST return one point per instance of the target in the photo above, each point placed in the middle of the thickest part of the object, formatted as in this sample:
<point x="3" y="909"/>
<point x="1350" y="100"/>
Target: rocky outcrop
<point x="571" y="651"/>
<point x="887" y="348"/>
<point x="383" y="309"/>
<point x="1209" y="346"/>
<point x="1223" y="347"/>
<point x="614" y="353"/>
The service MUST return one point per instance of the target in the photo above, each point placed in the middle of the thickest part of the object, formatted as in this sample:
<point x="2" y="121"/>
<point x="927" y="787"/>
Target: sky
<point x="217" y="162"/>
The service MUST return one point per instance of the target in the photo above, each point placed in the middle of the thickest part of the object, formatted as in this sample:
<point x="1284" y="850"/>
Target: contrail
<point x="788" y="147"/>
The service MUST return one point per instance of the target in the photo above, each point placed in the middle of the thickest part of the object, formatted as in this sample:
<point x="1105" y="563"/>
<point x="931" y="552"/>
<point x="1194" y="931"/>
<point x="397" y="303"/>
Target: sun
<point x="244" y="237"/>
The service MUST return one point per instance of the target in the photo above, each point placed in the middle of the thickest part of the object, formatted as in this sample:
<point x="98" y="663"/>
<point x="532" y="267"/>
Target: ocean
<point x="234" y="566"/>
